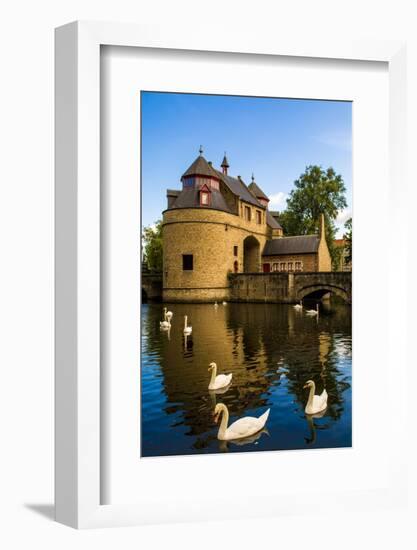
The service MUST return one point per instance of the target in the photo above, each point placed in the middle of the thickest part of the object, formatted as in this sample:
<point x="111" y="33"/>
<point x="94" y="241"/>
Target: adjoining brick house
<point x="345" y="263"/>
<point x="216" y="225"/>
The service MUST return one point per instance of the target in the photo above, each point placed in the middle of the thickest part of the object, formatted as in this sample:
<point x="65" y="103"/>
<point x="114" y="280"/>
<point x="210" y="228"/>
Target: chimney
<point x="322" y="232"/>
<point x="172" y="194"/>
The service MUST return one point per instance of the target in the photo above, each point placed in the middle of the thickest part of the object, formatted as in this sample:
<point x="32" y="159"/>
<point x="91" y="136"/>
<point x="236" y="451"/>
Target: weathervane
<point x="201" y="150"/>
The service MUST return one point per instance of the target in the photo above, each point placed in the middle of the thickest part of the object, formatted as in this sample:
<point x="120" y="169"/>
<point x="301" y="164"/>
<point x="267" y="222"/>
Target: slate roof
<point x="304" y="244"/>
<point x="200" y="167"/>
<point x="271" y="221"/>
<point x="257" y="191"/>
<point x="189" y="198"/>
<point x="238" y="187"/>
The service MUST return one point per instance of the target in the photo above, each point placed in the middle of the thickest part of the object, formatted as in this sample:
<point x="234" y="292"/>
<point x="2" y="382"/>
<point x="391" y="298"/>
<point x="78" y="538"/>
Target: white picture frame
<point x="78" y="321"/>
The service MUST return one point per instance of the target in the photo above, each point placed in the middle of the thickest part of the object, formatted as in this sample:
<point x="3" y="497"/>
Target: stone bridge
<point x="151" y="287"/>
<point x="287" y="288"/>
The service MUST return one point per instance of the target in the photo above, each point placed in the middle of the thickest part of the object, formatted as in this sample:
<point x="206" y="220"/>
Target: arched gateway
<point x="251" y="255"/>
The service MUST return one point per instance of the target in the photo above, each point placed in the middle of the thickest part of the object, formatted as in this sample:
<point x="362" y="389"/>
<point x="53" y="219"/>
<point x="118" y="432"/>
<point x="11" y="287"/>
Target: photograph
<point x="246" y="274"/>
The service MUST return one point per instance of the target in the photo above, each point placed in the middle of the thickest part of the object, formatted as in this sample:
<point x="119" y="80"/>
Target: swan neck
<point x="213" y="374"/>
<point x="224" y="421"/>
<point x="185" y="322"/>
<point x="311" y="394"/>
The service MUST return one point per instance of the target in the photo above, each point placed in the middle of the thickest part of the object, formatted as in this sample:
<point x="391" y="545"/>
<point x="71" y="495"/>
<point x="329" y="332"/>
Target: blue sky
<point x="273" y="138"/>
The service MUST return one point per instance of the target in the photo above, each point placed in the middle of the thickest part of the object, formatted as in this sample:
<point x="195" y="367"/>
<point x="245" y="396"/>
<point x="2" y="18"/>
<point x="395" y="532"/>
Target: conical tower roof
<point x="225" y="162"/>
<point x="256" y="190"/>
<point x="200" y="167"/>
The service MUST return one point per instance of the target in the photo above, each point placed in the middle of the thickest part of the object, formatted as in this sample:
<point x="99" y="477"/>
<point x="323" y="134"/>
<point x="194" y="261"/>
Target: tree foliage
<point x="315" y="192"/>
<point x="348" y="238"/>
<point x="152" y="246"/>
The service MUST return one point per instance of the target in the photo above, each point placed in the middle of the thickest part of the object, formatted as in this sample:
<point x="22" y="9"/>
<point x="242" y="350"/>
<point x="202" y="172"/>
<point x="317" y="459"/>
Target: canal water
<point x="271" y="349"/>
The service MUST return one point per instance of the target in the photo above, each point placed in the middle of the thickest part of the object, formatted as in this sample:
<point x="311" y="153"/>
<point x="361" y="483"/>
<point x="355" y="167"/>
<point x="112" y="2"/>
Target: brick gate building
<point x="215" y="225"/>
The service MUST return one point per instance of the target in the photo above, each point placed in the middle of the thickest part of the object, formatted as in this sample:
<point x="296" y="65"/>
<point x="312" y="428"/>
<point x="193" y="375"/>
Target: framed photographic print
<point x="259" y="318"/>
<point x="217" y="341"/>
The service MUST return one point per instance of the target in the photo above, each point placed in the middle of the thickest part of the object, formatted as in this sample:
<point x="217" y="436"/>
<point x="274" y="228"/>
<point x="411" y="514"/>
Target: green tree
<point x="348" y="238"/>
<point x="315" y="192"/>
<point x="152" y="246"/>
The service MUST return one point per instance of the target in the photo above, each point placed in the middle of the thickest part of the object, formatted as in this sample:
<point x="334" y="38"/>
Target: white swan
<point x="216" y="305"/>
<point x="168" y="315"/>
<point x="165" y="324"/>
<point x="224" y="303"/>
<point x="244" y="427"/>
<point x="220" y="381"/>
<point x="313" y="311"/>
<point x="315" y="403"/>
<point x="187" y="329"/>
<point x="298" y="306"/>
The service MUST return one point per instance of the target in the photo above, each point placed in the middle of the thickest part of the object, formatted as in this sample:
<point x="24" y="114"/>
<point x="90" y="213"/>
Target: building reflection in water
<point x="270" y="349"/>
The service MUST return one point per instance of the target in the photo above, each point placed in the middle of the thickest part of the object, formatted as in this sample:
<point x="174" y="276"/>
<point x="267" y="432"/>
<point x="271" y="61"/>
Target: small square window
<point x="187" y="262"/>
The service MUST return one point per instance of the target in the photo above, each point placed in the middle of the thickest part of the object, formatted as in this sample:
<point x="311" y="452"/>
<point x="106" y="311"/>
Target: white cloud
<point x="340" y="221"/>
<point x="343" y="216"/>
<point x="278" y="200"/>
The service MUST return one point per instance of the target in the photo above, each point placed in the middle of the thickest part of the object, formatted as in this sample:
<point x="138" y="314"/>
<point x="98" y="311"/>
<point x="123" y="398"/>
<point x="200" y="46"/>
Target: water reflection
<point x="252" y="439"/>
<point x="311" y="439"/>
<point x="272" y="350"/>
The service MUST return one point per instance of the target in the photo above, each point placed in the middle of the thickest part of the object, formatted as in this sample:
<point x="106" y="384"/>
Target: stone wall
<point x="262" y="287"/>
<point x="259" y="287"/>
<point x="210" y="237"/>
<point x="151" y="286"/>
<point x="289" y="288"/>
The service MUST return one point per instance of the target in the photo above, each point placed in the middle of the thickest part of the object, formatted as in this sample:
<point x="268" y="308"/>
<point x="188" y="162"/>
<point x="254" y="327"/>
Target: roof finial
<point x="201" y="150"/>
<point x="253" y="177"/>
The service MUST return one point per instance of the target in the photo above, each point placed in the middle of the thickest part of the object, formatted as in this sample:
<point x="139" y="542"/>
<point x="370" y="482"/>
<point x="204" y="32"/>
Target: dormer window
<point x="205" y="196"/>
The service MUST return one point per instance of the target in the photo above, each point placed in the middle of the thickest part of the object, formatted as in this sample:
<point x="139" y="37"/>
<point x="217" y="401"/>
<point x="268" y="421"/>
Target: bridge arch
<point x="319" y="290"/>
